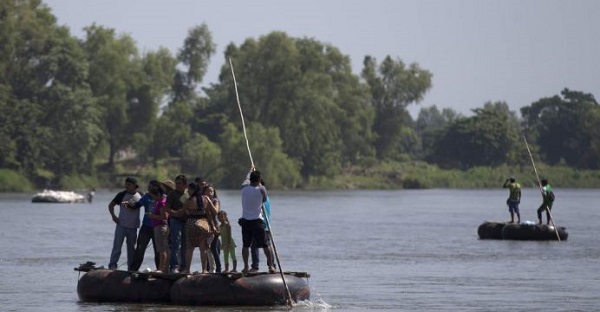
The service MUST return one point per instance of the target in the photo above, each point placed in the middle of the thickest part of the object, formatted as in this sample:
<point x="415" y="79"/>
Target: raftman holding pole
<point x="547" y="201"/>
<point x="547" y="194"/>
<point x="256" y="178"/>
<point x="253" y="225"/>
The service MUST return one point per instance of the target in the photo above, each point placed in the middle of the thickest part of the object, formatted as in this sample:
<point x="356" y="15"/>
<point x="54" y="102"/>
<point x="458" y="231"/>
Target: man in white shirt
<point x="253" y="225"/>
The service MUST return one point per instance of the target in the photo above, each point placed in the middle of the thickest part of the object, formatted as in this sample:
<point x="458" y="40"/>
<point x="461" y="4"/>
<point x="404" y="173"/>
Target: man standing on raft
<point x="253" y="225"/>
<point x="514" y="198"/>
<point x="547" y="201"/>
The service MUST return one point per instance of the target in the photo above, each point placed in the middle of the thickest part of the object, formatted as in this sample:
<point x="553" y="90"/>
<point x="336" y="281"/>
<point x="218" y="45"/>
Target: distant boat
<point x="49" y="196"/>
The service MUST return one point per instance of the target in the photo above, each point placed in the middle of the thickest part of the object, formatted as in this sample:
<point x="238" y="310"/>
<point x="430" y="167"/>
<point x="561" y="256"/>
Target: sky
<point x="515" y="51"/>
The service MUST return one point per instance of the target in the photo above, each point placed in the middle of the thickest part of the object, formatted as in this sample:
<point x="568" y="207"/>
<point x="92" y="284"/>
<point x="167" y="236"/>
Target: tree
<point x="152" y="88"/>
<point x="305" y="89"/>
<point x="430" y="121"/>
<point x="203" y="157"/>
<point x="48" y="116"/>
<point x="278" y="169"/>
<point x="489" y="138"/>
<point x="194" y="56"/>
<point x="561" y="126"/>
<point x="179" y="117"/>
<point x="113" y="77"/>
<point x="393" y="86"/>
<point x="592" y="124"/>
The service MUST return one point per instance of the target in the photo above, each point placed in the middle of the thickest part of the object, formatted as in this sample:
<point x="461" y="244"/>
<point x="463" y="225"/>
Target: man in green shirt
<point x="514" y="198"/>
<point x="548" y="200"/>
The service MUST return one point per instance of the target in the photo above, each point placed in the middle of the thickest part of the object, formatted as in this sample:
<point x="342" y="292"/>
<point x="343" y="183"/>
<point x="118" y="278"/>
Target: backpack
<point x="550" y="196"/>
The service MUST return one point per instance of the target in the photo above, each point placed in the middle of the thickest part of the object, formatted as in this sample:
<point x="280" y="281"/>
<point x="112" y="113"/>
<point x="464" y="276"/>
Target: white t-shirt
<point x="252" y="199"/>
<point x="129" y="217"/>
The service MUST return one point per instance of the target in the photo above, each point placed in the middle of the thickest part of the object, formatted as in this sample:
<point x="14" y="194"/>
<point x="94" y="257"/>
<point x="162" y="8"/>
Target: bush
<point x="12" y="181"/>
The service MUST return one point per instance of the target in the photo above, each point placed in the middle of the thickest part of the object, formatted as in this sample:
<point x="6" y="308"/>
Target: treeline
<point x="71" y="108"/>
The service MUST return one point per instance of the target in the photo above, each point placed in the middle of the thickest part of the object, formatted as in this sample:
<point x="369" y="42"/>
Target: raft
<point x="520" y="231"/>
<point x="210" y="289"/>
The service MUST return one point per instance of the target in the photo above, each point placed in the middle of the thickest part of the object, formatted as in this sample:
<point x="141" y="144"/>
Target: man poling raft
<point x="546" y="192"/>
<point x="290" y="300"/>
<point x="525" y="230"/>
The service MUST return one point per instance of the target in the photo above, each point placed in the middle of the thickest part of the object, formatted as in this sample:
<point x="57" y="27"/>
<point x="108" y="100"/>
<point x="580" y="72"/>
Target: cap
<point x="131" y="180"/>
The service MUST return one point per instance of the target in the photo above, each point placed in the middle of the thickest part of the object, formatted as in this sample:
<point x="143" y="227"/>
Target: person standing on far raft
<point x="548" y="200"/>
<point x="514" y="198"/>
<point x="90" y="196"/>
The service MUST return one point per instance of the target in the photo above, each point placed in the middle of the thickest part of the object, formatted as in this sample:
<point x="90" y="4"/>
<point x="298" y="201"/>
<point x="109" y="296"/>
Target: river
<point x="406" y="250"/>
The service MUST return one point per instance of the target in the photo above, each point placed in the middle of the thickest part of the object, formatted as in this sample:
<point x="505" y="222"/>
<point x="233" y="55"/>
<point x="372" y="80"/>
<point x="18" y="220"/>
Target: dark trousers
<point x="542" y="209"/>
<point x="215" y="249"/>
<point x="254" y="252"/>
<point x="145" y="235"/>
<point x="177" y="243"/>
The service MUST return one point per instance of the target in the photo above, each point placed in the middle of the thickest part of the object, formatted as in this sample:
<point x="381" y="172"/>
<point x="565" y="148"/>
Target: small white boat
<point x="49" y="196"/>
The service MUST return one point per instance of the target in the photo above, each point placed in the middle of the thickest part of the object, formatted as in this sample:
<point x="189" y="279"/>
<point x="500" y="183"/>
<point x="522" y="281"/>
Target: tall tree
<point x="179" y="117"/>
<point x="47" y="114"/>
<point x="489" y="138"/>
<point x="304" y="88"/>
<point x="394" y="86"/>
<point x="278" y="169"/>
<point x="558" y="126"/>
<point x="150" y="92"/>
<point x="429" y="122"/>
<point x="194" y="57"/>
<point x="114" y="69"/>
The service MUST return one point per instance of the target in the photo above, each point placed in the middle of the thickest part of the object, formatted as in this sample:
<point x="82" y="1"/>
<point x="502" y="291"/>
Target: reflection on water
<point x="382" y="250"/>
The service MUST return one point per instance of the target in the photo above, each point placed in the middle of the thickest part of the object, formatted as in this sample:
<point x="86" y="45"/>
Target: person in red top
<point x="159" y="219"/>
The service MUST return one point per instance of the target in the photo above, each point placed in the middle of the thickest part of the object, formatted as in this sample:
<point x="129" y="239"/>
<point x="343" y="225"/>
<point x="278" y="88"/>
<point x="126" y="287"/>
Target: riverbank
<point x="385" y="175"/>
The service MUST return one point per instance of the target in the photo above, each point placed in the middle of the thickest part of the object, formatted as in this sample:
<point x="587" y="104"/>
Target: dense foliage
<point x="71" y="109"/>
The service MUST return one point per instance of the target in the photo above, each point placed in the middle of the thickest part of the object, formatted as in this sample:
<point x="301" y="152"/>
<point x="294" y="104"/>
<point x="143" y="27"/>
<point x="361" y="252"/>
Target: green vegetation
<point x="12" y="181"/>
<point x="78" y="113"/>
<point x="417" y="175"/>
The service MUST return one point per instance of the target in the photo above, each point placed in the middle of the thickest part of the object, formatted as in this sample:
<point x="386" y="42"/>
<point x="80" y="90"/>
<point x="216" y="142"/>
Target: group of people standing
<point x="514" y="199"/>
<point x="180" y="217"/>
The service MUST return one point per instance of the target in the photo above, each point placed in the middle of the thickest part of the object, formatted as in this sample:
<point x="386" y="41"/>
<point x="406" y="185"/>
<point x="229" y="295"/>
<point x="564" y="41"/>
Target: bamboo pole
<point x="290" y="301"/>
<point x="541" y="188"/>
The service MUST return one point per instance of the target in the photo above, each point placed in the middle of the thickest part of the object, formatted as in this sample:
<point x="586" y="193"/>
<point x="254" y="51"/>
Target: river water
<point x="408" y="250"/>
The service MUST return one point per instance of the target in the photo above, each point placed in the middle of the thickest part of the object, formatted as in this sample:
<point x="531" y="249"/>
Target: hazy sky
<point x="515" y="51"/>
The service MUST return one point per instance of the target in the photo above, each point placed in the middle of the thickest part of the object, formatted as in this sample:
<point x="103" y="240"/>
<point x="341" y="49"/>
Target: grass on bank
<point x="383" y="175"/>
<point x="421" y="175"/>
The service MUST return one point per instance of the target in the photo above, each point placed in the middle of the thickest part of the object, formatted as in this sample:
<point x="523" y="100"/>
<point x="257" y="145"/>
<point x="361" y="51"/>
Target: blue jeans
<point x="121" y="233"/>
<point x="177" y="243"/>
<point x="215" y="249"/>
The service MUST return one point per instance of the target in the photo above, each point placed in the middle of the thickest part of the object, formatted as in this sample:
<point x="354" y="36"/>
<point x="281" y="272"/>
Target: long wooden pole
<point x="237" y="97"/>
<point x="290" y="301"/>
<point x="541" y="188"/>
